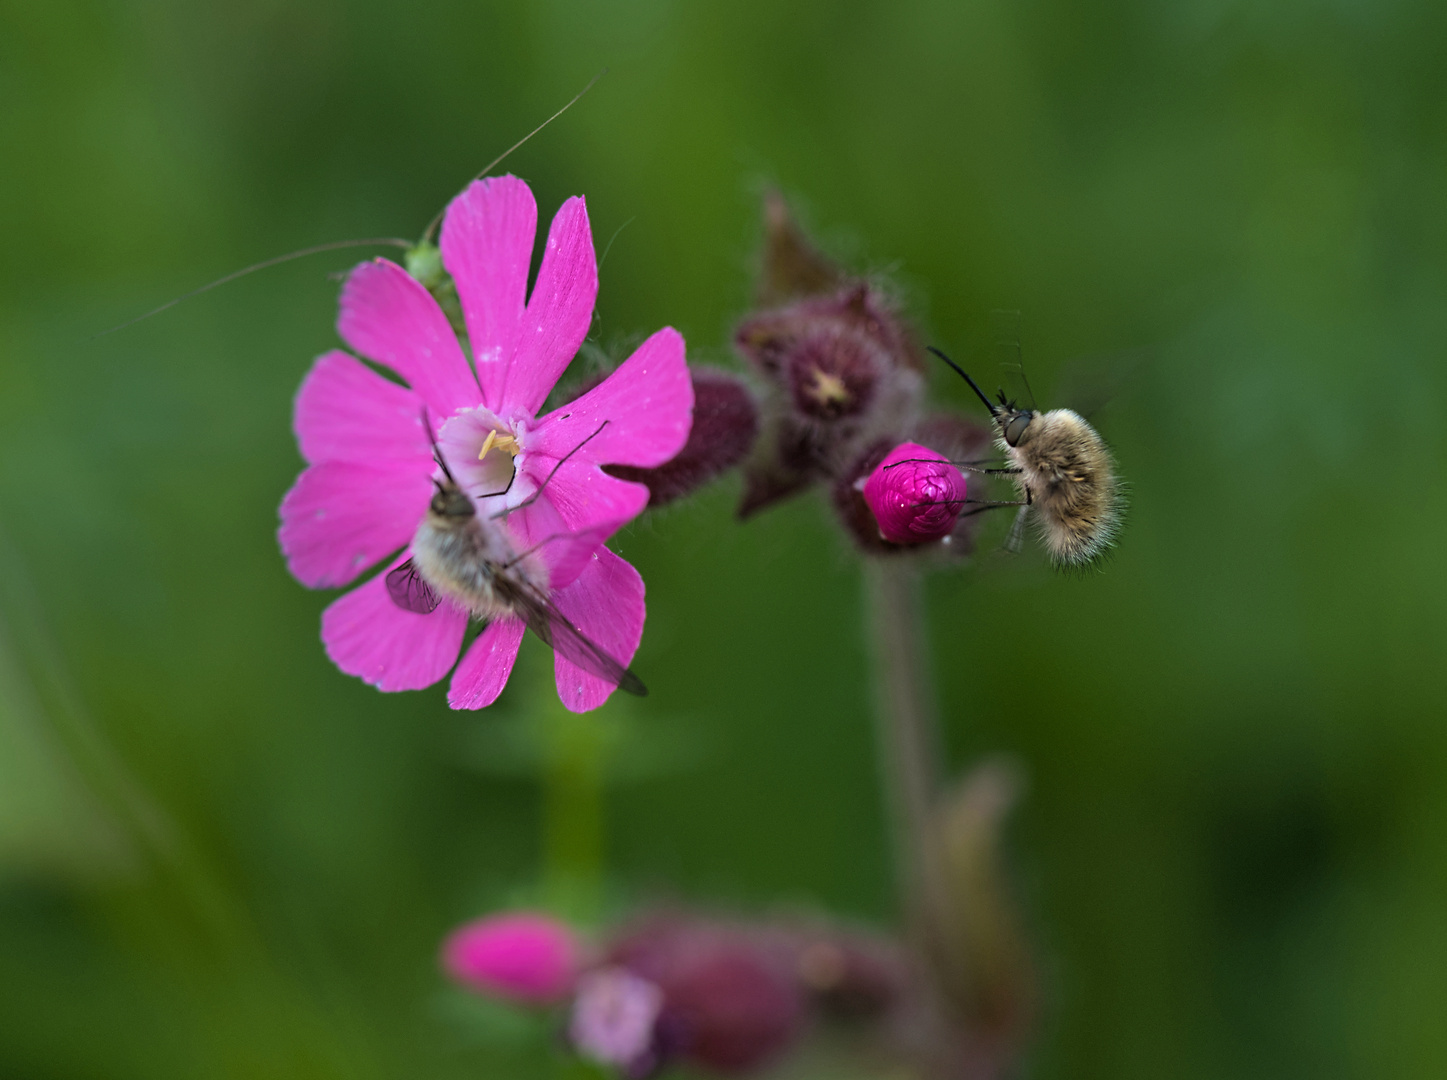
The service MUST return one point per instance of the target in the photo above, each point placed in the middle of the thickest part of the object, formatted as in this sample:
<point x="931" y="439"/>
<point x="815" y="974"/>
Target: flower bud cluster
<point x="845" y="385"/>
<point x="725" y="996"/>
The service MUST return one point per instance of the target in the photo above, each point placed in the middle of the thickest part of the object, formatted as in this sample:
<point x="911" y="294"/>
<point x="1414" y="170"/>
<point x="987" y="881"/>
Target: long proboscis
<point x="495" y="162"/>
<point x="994" y="409"/>
<point x="336" y="245"/>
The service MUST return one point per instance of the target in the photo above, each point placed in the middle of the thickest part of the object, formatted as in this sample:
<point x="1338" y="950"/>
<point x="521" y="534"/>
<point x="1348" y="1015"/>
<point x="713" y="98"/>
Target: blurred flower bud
<point x="832" y="374"/>
<point x="791" y="267"/>
<point x="851" y="977"/>
<point x="613" y="1020"/>
<point x="730" y="999"/>
<point x="522" y="957"/>
<point x="725" y="423"/>
<point x="984" y="963"/>
<point x="915" y="495"/>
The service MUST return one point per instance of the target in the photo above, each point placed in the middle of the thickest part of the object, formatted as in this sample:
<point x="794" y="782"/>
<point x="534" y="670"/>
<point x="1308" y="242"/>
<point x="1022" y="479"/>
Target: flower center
<point x="481" y="448"/>
<point x="497" y="440"/>
<point x="827" y="389"/>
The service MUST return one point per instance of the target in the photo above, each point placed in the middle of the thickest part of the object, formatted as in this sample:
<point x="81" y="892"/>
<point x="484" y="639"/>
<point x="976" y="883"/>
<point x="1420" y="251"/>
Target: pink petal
<point x="345" y="411"/>
<point x="368" y="636"/>
<point x="339" y="518"/>
<point x="487" y="247"/>
<point x="606" y="604"/>
<point x="559" y="312"/>
<point x="586" y="497"/>
<point x="539" y="528"/>
<point x="387" y="316"/>
<point x="647" y="403"/>
<point x="485" y="668"/>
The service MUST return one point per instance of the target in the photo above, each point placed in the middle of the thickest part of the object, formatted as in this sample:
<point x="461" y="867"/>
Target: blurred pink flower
<point x="520" y="956"/>
<point x="370" y="464"/>
<point x="614" y="1018"/>
<point x="915" y="495"/>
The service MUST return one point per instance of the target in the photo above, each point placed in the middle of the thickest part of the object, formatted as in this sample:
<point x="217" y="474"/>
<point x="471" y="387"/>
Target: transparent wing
<point x="1010" y="358"/>
<point x="1016" y="539"/>
<point x="410" y="592"/>
<point x="1089" y="383"/>
<point x="544" y="619"/>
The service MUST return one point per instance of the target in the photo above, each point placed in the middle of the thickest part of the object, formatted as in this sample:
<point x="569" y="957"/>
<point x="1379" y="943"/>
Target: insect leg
<point x="561" y="462"/>
<point x="963" y="466"/>
<point x="981" y="506"/>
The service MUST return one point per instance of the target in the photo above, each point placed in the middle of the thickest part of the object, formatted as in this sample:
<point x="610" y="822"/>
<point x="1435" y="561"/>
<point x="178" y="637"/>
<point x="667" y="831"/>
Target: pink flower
<point x="614" y="1018"/>
<point x="371" y="471"/>
<point x="520" y="956"/>
<point x="915" y="495"/>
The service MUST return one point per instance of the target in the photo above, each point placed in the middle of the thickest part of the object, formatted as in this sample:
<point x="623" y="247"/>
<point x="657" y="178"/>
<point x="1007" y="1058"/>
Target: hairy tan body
<point x="460" y="558"/>
<point x="1068" y="479"/>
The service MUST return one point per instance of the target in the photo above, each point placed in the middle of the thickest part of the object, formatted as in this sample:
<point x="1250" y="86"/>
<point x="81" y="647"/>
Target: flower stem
<point x="909" y="740"/>
<point x="911" y="761"/>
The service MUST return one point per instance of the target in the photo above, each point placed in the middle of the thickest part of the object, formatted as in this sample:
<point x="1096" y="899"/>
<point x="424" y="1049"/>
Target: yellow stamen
<point x="496" y="439"/>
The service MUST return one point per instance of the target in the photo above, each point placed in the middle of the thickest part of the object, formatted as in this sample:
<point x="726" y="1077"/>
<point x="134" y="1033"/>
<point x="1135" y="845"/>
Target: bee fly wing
<point x="410" y="592"/>
<point x="1009" y="358"/>
<point x="544" y="619"/>
<point x="1016" y="538"/>
<point x="1087" y="384"/>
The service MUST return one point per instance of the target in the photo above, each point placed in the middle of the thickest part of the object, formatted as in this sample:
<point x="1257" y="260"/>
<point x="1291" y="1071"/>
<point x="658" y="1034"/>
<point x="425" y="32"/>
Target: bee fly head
<point x="451" y="502"/>
<point x="1013" y="423"/>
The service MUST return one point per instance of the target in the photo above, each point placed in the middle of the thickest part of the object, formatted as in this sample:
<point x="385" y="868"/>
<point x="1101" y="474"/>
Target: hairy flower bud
<point x="520" y="956"/>
<point x="842" y="366"/>
<point x="915" y="495"/>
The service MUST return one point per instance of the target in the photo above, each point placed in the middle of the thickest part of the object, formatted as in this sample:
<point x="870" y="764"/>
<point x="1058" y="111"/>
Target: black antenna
<point x="337" y="245"/>
<point x="994" y="409"/>
<point x="495" y="162"/>
<point x="437" y="452"/>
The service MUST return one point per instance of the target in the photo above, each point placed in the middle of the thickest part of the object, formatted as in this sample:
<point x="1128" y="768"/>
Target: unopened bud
<point x="522" y="957"/>
<point x="915" y="495"/>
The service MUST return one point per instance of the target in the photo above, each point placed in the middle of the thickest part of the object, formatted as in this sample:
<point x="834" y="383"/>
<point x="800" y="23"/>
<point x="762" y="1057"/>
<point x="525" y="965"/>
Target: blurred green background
<point x="220" y="857"/>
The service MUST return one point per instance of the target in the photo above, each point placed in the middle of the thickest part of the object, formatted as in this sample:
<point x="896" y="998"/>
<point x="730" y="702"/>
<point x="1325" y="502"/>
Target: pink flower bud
<point x="521" y="956"/>
<point x="915" y="495"/>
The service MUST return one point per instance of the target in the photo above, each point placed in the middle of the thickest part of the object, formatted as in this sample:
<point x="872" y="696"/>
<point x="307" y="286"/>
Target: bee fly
<point x="1063" y="472"/>
<point x="468" y="559"/>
